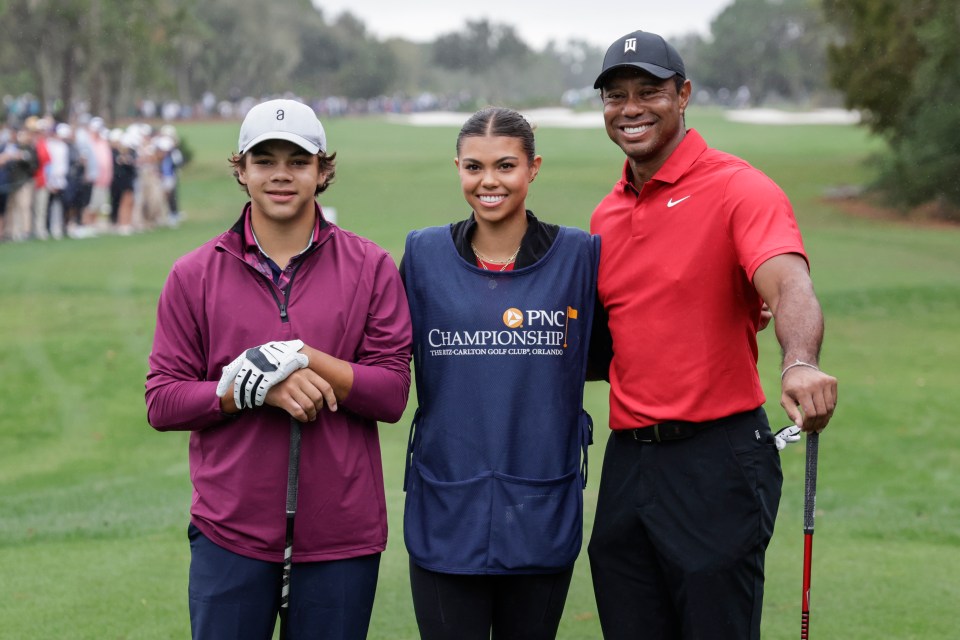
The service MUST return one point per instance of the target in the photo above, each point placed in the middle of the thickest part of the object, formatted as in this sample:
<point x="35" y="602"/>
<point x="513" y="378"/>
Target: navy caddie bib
<point x="496" y="463"/>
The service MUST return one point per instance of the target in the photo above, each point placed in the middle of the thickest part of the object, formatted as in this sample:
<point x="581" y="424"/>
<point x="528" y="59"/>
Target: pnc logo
<point x="513" y="318"/>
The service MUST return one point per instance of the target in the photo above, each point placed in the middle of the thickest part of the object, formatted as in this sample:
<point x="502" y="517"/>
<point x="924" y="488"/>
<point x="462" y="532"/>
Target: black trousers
<point x="468" y="607"/>
<point x="681" y="529"/>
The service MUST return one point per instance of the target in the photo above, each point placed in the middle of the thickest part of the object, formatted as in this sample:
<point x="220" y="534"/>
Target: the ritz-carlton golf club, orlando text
<point x="535" y="332"/>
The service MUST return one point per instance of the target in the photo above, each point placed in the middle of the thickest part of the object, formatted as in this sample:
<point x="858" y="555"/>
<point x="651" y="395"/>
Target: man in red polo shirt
<point x="694" y="241"/>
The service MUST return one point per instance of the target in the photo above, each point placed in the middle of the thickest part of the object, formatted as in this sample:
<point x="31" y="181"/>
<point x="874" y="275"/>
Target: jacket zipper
<point x="282" y="305"/>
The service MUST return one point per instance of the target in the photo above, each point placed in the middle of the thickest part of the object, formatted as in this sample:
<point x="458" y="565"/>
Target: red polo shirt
<point x="676" y="270"/>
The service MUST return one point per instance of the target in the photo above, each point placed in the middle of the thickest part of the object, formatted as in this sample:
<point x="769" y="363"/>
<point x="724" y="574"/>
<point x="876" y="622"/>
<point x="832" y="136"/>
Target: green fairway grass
<point x="94" y="503"/>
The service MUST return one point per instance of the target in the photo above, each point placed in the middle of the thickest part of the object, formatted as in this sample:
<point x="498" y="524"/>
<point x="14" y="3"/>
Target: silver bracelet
<point x="797" y="363"/>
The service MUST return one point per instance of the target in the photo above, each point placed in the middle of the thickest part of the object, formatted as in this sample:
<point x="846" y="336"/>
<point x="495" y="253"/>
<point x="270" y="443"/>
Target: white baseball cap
<point x="282" y="120"/>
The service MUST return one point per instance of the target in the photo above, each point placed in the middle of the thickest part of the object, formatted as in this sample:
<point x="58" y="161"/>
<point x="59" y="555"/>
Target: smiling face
<point x="644" y="117"/>
<point x="495" y="175"/>
<point x="282" y="181"/>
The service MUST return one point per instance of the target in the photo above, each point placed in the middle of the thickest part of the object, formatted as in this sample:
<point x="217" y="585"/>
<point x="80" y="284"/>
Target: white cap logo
<point x="630" y="44"/>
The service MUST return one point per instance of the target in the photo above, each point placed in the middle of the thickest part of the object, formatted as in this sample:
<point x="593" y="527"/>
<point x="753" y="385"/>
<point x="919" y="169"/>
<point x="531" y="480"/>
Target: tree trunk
<point x="66" y="81"/>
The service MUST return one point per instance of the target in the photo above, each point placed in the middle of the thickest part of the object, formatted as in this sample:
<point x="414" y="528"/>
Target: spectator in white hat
<point x="59" y="150"/>
<point x="98" y="208"/>
<point x="122" y="185"/>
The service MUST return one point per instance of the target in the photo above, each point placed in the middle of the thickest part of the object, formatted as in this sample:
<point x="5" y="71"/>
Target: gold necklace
<point x="484" y="261"/>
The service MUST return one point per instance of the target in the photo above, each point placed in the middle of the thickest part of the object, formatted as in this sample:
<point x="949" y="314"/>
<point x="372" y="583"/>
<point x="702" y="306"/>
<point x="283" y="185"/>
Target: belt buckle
<point x="656" y="434"/>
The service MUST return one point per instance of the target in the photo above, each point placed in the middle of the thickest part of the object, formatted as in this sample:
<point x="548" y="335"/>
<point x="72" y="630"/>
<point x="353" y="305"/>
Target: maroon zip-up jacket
<point x="346" y="299"/>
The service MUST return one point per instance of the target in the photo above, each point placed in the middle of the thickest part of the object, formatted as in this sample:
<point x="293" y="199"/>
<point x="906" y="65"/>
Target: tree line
<point x="895" y="60"/>
<point x="109" y="53"/>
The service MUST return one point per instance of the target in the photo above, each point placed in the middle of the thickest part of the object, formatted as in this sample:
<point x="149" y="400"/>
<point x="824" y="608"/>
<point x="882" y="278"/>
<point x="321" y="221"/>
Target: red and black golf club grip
<point x="809" y="507"/>
<point x="293" y="480"/>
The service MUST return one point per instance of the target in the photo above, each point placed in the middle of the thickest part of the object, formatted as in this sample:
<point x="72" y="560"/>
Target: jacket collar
<point x="239" y="236"/>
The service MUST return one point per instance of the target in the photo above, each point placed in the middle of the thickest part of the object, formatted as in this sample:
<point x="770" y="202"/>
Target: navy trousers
<point x="233" y="597"/>
<point x="681" y="529"/>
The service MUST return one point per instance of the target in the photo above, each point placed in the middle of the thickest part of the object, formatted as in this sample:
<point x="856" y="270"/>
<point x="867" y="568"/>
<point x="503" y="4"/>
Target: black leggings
<point x="467" y="607"/>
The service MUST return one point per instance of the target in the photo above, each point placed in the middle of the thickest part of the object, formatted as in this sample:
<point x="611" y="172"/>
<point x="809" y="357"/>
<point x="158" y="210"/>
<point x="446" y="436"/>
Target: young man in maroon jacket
<point x="329" y="313"/>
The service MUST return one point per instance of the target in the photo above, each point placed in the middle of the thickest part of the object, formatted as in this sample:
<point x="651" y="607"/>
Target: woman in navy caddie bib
<point x="502" y="306"/>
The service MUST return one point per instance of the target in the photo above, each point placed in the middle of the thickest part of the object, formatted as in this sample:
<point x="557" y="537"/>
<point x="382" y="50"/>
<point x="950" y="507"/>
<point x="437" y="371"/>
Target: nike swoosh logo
<point x="672" y="203"/>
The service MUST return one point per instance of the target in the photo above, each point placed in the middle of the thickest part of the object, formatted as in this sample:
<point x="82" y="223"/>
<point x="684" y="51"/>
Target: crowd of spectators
<point x="75" y="177"/>
<point x="83" y="179"/>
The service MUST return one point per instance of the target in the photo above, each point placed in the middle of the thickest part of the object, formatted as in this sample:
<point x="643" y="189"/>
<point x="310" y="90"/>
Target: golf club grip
<point x="293" y="469"/>
<point x="810" y="482"/>
<point x="805" y="626"/>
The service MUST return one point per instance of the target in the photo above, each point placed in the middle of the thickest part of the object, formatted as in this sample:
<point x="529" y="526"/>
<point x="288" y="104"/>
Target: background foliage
<point x="776" y="50"/>
<point x="899" y="62"/>
<point x="111" y="53"/>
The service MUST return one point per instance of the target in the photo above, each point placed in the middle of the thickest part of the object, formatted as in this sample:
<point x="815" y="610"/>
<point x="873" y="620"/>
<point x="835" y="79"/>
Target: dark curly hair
<point x="327" y="163"/>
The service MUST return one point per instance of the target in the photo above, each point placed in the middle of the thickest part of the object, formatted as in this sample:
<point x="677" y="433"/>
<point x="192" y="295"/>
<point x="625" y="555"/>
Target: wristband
<point x="797" y="363"/>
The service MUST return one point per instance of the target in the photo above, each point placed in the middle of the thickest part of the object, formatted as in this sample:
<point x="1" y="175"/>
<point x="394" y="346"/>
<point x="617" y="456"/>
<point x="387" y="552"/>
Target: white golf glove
<point x="256" y="370"/>
<point x="786" y="436"/>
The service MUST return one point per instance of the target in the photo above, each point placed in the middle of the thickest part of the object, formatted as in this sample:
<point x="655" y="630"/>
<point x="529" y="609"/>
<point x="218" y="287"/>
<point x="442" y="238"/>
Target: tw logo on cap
<point x="630" y="44"/>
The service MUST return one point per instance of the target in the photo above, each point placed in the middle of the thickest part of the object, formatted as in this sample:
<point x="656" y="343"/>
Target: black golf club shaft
<point x="293" y="479"/>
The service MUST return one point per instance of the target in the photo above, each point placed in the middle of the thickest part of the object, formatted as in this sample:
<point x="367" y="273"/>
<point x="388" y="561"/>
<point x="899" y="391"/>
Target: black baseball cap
<point x="642" y="50"/>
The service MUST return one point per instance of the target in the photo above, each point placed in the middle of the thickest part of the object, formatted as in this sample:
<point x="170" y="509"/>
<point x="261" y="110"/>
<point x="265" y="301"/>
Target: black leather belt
<point x="665" y="431"/>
